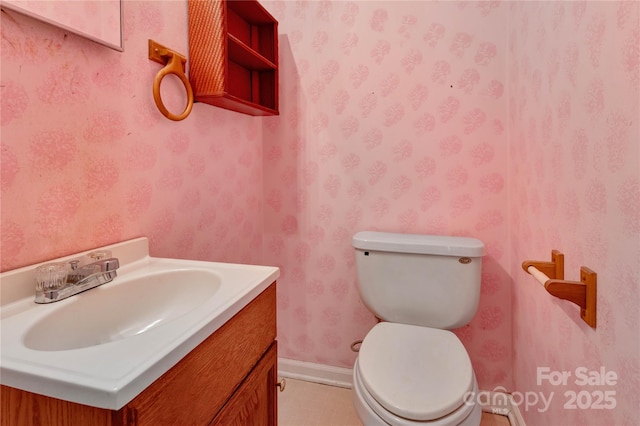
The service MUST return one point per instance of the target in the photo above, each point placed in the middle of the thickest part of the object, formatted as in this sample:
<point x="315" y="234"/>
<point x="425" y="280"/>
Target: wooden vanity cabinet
<point x="254" y="403"/>
<point x="229" y="379"/>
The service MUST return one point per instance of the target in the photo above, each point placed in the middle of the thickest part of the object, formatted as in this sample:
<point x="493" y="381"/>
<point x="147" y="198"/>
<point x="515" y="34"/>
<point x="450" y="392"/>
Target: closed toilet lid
<point x="418" y="373"/>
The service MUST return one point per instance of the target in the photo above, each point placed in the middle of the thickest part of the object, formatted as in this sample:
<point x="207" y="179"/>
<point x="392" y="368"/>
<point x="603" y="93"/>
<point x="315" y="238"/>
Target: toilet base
<point x="370" y="418"/>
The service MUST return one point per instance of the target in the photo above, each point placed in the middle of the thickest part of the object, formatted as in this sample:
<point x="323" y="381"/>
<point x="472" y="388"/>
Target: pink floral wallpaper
<point x="513" y="122"/>
<point x="574" y="170"/>
<point x="393" y="117"/>
<point x="87" y="159"/>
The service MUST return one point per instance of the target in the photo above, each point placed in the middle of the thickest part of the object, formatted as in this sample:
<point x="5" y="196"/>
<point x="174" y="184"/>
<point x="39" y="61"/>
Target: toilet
<point x="411" y="369"/>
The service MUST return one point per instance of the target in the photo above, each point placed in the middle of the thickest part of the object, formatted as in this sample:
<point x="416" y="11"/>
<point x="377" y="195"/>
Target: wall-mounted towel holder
<point x="175" y="63"/>
<point x="551" y="275"/>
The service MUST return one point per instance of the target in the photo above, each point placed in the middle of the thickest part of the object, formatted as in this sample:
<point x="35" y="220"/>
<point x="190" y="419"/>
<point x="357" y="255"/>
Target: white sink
<point x="131" y="307"/>
<point x="106" y="345"/>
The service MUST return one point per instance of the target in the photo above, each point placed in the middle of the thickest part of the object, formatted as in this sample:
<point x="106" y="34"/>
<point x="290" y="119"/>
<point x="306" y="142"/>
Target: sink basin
<point x="104" y="346"/>
<point x="134" y="306"/>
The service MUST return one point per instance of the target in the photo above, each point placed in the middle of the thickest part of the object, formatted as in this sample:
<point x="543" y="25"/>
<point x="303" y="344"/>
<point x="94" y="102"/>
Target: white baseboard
<point x="499" y="402"/>
<point x="317" y="373"/>
<point x="503" y="404"/>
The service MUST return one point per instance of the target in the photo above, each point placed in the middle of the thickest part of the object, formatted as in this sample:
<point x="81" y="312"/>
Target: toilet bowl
<point x="411" y="369"/>
<point x="408" y="375"/>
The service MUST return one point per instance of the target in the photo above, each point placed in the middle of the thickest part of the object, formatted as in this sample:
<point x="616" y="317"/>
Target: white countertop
<point x="109" y="375"/>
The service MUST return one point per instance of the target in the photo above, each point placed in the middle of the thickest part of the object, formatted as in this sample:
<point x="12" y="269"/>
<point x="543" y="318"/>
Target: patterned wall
<point x="574" y="79"/>
<point x="87" y="159"/>
<point x="393" y="118"/>
<point x="450" y="118"/>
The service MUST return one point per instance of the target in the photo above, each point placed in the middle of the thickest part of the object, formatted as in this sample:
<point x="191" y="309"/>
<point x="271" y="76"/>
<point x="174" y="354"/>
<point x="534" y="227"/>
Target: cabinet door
<point x="255" y="402"/>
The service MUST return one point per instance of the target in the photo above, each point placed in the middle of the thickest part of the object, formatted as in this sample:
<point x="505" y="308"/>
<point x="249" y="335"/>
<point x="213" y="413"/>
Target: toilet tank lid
<point x="418" y="243"/>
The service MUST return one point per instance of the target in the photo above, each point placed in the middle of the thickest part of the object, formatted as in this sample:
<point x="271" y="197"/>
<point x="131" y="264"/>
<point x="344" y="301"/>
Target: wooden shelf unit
<point x="233" y="55"/>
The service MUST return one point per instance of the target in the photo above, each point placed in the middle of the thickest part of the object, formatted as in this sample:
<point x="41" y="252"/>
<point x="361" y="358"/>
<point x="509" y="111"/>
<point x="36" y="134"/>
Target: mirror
<point x="97" y="20"/>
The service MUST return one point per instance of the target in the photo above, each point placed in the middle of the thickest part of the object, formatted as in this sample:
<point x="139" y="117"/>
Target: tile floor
<point x="311" y="404"/>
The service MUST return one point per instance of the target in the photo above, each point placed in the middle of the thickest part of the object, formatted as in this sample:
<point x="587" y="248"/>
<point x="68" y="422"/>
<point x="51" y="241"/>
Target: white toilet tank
<point x="426" y="280"/>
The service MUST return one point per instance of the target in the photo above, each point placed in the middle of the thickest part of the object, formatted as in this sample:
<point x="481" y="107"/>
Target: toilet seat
<point x="371" y="413"/>
<point x="416" y="373"/>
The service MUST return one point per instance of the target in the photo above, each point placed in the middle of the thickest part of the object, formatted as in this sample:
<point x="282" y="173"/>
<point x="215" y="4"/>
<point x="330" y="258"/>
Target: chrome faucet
<point x="78" y="279"/>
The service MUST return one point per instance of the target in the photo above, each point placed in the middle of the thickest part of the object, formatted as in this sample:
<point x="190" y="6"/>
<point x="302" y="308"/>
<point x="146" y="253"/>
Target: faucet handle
<point x="96" y="255"/>
<point x="51" y="276"/>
